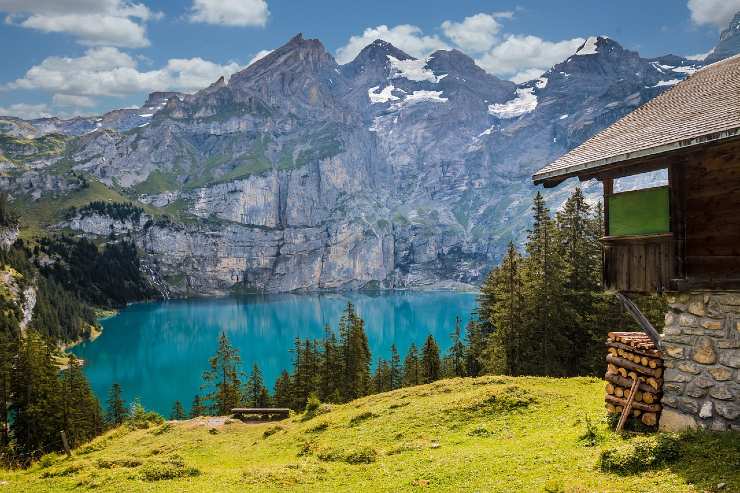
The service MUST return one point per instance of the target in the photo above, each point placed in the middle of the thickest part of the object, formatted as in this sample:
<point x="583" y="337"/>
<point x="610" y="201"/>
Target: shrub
<point x="272" y="430"/>
<point x="361" y="417"/>
<point x="111" y="463"/>
<point x="63" y="471"/>
<point x="158" y="471"/>
<point x="318" y="428"/>
<point x="358" y="455"/>
<point x="590" y="436"/>
<point x="140" y="419"/>
<point x="640" y="454"/>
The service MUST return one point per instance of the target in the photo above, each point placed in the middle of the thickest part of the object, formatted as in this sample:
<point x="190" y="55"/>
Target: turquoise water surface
<point x="158" y="351"/>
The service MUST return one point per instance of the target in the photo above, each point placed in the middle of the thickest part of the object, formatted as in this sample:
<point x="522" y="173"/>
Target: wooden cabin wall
<point x="712" y="214"/>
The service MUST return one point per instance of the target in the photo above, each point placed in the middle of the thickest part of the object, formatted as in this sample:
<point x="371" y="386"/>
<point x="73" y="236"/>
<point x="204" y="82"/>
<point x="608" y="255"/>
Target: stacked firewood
<point x="633" y="357"/>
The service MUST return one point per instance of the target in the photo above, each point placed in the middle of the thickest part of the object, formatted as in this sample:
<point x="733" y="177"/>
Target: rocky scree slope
<point x="302" y="174"/>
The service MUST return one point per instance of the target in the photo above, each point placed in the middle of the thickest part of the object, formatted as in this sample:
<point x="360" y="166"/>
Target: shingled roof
<point x="702" y="108"/>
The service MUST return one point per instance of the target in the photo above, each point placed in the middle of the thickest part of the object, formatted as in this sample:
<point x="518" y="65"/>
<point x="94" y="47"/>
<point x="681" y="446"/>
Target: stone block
<point x="729" y="410"/>
<point x="676" y="339"/>
<point x="710" y="324"/>
<point x="673" y="388"/>
<point x="730" y="358"/>
<point x="673" y="351"/>
<point x="672" y="421"/>
<point x="672" y="375"/>
<point x="728" y="344"/>
<point x="688" y="367"/>
<point x="704" y="352"/>
<point x="695" y="391"/>
<point x="669" y="319"/>
<point x="672" y="331"/>
<point x="722" y="392"/>
<point x="720" y="373"/>
<point x="669" y="400"/>
<point x="694" y="331"/>
<point x="688" y="405"/>
<point x="696" y="305"/>
<point x="729" y="299"/>
<point x="703" y="382"/>
<point x="686" y="320"/>
<point x="718" y="425"/>
<point x="706" y="410"/>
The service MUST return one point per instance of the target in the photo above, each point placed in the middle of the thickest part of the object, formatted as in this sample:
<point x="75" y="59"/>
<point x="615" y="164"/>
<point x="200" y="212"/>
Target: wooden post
<point x="608" y="185"/>
<point x="677" y="204"/>
<point x="628" y="407"/>
<point x="66" y="444"/>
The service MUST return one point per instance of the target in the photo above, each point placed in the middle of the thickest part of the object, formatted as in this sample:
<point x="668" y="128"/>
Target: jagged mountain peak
<point x="729" y="42"/>
<point x="298" y="55"/>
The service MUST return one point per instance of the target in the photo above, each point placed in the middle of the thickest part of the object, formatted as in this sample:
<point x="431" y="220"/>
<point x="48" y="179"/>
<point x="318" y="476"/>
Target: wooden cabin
<point x="681" y="238"/>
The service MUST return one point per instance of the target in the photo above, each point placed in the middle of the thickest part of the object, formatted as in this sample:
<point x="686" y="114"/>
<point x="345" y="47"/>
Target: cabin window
<point x="639" y="212"/>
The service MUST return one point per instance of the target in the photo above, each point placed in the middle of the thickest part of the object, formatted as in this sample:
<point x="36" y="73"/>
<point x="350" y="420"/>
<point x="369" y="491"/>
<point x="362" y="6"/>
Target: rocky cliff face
<point x="301" y="174"/>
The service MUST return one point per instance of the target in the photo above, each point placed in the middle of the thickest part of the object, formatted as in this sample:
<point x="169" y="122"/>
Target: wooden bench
<point x="261" y="413"/>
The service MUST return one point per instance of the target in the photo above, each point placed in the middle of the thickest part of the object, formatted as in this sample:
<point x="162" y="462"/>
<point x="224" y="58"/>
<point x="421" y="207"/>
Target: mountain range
<point x="302" y="174"/>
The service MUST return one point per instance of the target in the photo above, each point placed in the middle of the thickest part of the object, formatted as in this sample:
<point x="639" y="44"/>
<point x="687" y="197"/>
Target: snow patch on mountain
<point x="383" y="96"/>
<point x="525" y="102"/>
<point x="414" y="70"/>
<point x="590" y="47"/>
<point x="419" y="96"/>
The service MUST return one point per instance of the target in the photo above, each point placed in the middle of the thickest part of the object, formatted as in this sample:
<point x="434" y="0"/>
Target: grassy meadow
<point x="499" y="434"/>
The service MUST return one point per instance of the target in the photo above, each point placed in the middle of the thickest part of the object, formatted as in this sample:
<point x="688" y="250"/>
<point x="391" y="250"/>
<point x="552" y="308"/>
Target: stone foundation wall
<point x="701" y="342"/>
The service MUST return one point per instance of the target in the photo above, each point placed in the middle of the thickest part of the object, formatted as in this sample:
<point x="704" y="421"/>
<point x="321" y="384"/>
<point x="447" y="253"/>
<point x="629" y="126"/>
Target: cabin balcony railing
<point x="638" y="264"/>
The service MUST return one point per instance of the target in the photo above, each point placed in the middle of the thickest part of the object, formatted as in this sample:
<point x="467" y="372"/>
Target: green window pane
<point x="639" y="212"/>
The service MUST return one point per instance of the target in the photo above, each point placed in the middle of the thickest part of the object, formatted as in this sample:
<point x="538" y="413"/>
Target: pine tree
<point x="283" y="391"/>
<point x="116" y="410"/>
<point x="36" y="396"/>
<point x="254" y="387"/>
<point x="331" y="366"/>
<point x="178" y="412"/>
<point x="81" y="410"/>
<point x="223" y="378"/>
<point x="431" y="366"/>
<point x="411" y="367"/>
<point x="197" y="408"/>
<point x="381" y="381"/>
<point x="8" y="351"/>
<point x="264" y="399"/>
<point x="544" y="285"/>
<point x="395" y="369"/>
<point x="356" y="356"/>
<point x="456" y="354"/>
<point x="503" y="303"/>
<point x="475" y="347"/>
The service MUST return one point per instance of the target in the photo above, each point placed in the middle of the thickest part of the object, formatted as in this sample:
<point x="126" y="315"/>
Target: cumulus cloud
<point x="518" y="57"/>
<point x="476" y="33"/>
<point x="230" y="12"/>
<point x="718" y="13"/>
<point x="107" y="71"/>
<point x="26" y="111"/>
<point x="72" y="100"/>
<point x="405" y="37"/>
<point x="92" y="22"/>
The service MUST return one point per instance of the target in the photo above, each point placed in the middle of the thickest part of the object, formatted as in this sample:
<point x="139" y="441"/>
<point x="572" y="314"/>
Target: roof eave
<point x="559" y="175"/>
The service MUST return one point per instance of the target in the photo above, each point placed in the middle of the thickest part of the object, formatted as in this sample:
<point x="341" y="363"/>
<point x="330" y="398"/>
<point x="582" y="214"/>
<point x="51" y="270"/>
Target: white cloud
<point x="476" y="33"/>
<point x="519" y="57"/>
<point x="404" y="37"/>
<point x="230" y="12"/>
<point x="260" y="54"/>
<point x="700" y="56"/>
<point x="92" y="22"/>
<point x="72" y="100"/>
<point x="107" y="71"/>
<point x="26" y="111"/>
<point x="714" y="12"/>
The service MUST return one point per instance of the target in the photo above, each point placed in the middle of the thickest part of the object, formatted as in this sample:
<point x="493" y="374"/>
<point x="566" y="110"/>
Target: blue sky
<point x="66" y="57"/>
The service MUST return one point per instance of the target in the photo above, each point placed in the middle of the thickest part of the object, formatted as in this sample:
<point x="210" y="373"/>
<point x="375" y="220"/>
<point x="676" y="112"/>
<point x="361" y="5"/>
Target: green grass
<point x="486" y="434"/>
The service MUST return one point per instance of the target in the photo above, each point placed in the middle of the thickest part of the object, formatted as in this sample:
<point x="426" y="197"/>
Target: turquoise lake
<point x="158" y="351"/>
